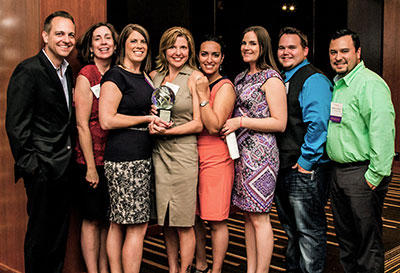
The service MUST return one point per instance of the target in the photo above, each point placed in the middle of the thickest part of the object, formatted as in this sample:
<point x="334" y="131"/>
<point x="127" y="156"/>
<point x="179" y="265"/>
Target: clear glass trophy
<point x="163" y="98"/>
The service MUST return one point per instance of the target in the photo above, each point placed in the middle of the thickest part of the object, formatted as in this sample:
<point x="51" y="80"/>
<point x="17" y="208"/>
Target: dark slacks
<point x="357" y="213"/>
<point x="46" y="235"/>
<point x="300" y="200"/>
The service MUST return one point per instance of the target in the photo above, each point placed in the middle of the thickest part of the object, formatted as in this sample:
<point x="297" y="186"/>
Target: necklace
<point x="216" y="79"/>
<point x="130" y="69"/>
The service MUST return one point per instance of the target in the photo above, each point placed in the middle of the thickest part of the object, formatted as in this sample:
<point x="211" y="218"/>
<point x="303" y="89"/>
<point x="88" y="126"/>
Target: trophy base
<point x="165" y="115"/>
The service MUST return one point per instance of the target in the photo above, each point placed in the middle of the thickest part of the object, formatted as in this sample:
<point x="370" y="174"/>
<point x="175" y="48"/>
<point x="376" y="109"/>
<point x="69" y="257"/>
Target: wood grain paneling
<point x="391" y="64"/>
<point x="21" y="23"/>
<point x="19" y="39"/>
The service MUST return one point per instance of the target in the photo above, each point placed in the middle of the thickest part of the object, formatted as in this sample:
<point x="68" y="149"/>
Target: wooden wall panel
<point x="391" y="64"/>
<point x="19" y="39"/>
<point x="21" y="23"/>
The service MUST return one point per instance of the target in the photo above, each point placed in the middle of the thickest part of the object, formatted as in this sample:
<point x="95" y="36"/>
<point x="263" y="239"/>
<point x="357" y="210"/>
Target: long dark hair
<point x="146" y="64"/>
<point x="264" y="41"/>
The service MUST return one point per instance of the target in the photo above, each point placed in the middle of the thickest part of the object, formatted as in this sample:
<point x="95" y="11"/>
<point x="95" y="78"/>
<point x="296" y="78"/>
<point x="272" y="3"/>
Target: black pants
<point x="48" y="211"/>
<point x="357" y="213"/>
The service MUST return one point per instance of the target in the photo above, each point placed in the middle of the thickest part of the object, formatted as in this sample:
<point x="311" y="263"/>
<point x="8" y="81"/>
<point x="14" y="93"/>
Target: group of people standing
<point x="292" y="133"/>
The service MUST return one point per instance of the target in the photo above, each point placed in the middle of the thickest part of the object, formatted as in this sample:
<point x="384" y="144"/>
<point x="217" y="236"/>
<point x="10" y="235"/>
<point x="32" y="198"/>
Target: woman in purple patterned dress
<point x="260" y="110"/>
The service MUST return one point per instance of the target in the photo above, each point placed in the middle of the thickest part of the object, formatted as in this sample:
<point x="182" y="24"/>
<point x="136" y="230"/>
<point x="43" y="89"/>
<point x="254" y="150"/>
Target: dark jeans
<point x="300" y="200"/>
<point x="46" y="235"/>
<point x="357" y="213"/>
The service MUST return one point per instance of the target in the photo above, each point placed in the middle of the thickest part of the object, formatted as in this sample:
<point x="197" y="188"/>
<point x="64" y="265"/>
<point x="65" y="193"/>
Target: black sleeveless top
<point x="133" y="143"/>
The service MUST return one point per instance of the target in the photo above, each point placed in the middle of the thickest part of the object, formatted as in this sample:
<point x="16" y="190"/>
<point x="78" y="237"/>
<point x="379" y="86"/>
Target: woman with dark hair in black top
<point x="124" y="106"/>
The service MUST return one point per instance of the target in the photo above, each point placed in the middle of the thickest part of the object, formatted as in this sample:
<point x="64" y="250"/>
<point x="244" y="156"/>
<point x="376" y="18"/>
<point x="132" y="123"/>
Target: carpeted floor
<point x="155" y="259"/>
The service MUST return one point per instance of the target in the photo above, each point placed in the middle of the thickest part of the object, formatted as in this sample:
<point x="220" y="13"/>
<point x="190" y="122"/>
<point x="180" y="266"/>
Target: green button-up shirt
<point x="366" y="130"/>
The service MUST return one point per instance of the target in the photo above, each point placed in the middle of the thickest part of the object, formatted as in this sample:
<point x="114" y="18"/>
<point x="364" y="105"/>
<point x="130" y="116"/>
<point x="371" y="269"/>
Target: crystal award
<point x="163" y="98"/>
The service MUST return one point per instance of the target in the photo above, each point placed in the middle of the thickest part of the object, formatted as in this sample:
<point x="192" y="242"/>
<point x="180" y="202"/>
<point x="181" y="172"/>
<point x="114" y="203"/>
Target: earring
<point x="91" y="55"/>
<point x="220" y="67"/>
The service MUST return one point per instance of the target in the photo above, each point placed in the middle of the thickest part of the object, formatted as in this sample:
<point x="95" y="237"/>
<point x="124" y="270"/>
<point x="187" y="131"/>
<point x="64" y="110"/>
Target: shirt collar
<point x="349" y="77"/>
<point x="63" y="65"/>
<point x="186" y="69"/>
<point x="289" y="73"/>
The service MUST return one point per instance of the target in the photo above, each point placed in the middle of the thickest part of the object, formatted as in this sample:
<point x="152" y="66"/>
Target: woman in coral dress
<point x="216" y="173"/>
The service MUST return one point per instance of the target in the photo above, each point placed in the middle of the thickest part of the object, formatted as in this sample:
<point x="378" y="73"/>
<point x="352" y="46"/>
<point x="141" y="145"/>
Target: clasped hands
<point x="157" y="126"/>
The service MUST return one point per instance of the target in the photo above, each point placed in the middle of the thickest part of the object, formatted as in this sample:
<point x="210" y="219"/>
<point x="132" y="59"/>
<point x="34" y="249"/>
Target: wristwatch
<point x="203" y="103"/>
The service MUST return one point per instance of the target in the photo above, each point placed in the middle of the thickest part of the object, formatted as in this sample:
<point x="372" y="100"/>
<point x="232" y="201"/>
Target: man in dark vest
<point x="301" y="190"/>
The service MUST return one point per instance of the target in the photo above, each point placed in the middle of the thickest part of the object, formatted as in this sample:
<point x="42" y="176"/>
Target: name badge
<point x="336" y="112"/>
<point x="96" y="90"/>
<point x="174" y="87"/>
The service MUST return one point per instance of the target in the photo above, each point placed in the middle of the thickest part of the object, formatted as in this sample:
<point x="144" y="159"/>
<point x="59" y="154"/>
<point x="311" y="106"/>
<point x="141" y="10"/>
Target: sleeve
<point x="271" y="73"/>
<point x="91" y="73"/>
<point x="115" y="76"/>
<point x="19" y="115"/>
<point x="315" y="99"/>
<point x="84" y="72"/>
<point x="378" y="113"/>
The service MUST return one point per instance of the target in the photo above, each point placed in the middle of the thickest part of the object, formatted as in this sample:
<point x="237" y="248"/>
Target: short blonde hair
<point x="167" y="40"/>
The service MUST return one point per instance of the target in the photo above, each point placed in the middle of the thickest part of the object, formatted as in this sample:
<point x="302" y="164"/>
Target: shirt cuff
<point x="304" y="163"/>
<point x="373" y="178"/>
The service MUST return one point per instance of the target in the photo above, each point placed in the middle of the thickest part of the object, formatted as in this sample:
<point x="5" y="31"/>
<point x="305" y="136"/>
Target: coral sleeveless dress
<point x="216" y="172"/>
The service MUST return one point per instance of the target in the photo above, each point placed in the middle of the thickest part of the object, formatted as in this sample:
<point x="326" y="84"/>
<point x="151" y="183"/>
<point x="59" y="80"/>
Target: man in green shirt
<point x="360" y="143"/>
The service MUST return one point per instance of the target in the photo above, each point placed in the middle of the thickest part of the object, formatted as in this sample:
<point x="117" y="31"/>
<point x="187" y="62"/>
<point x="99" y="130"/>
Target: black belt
<point x="351" y="164"/>
<point x="138" y="128"/>
<point x="173" y="137"/>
